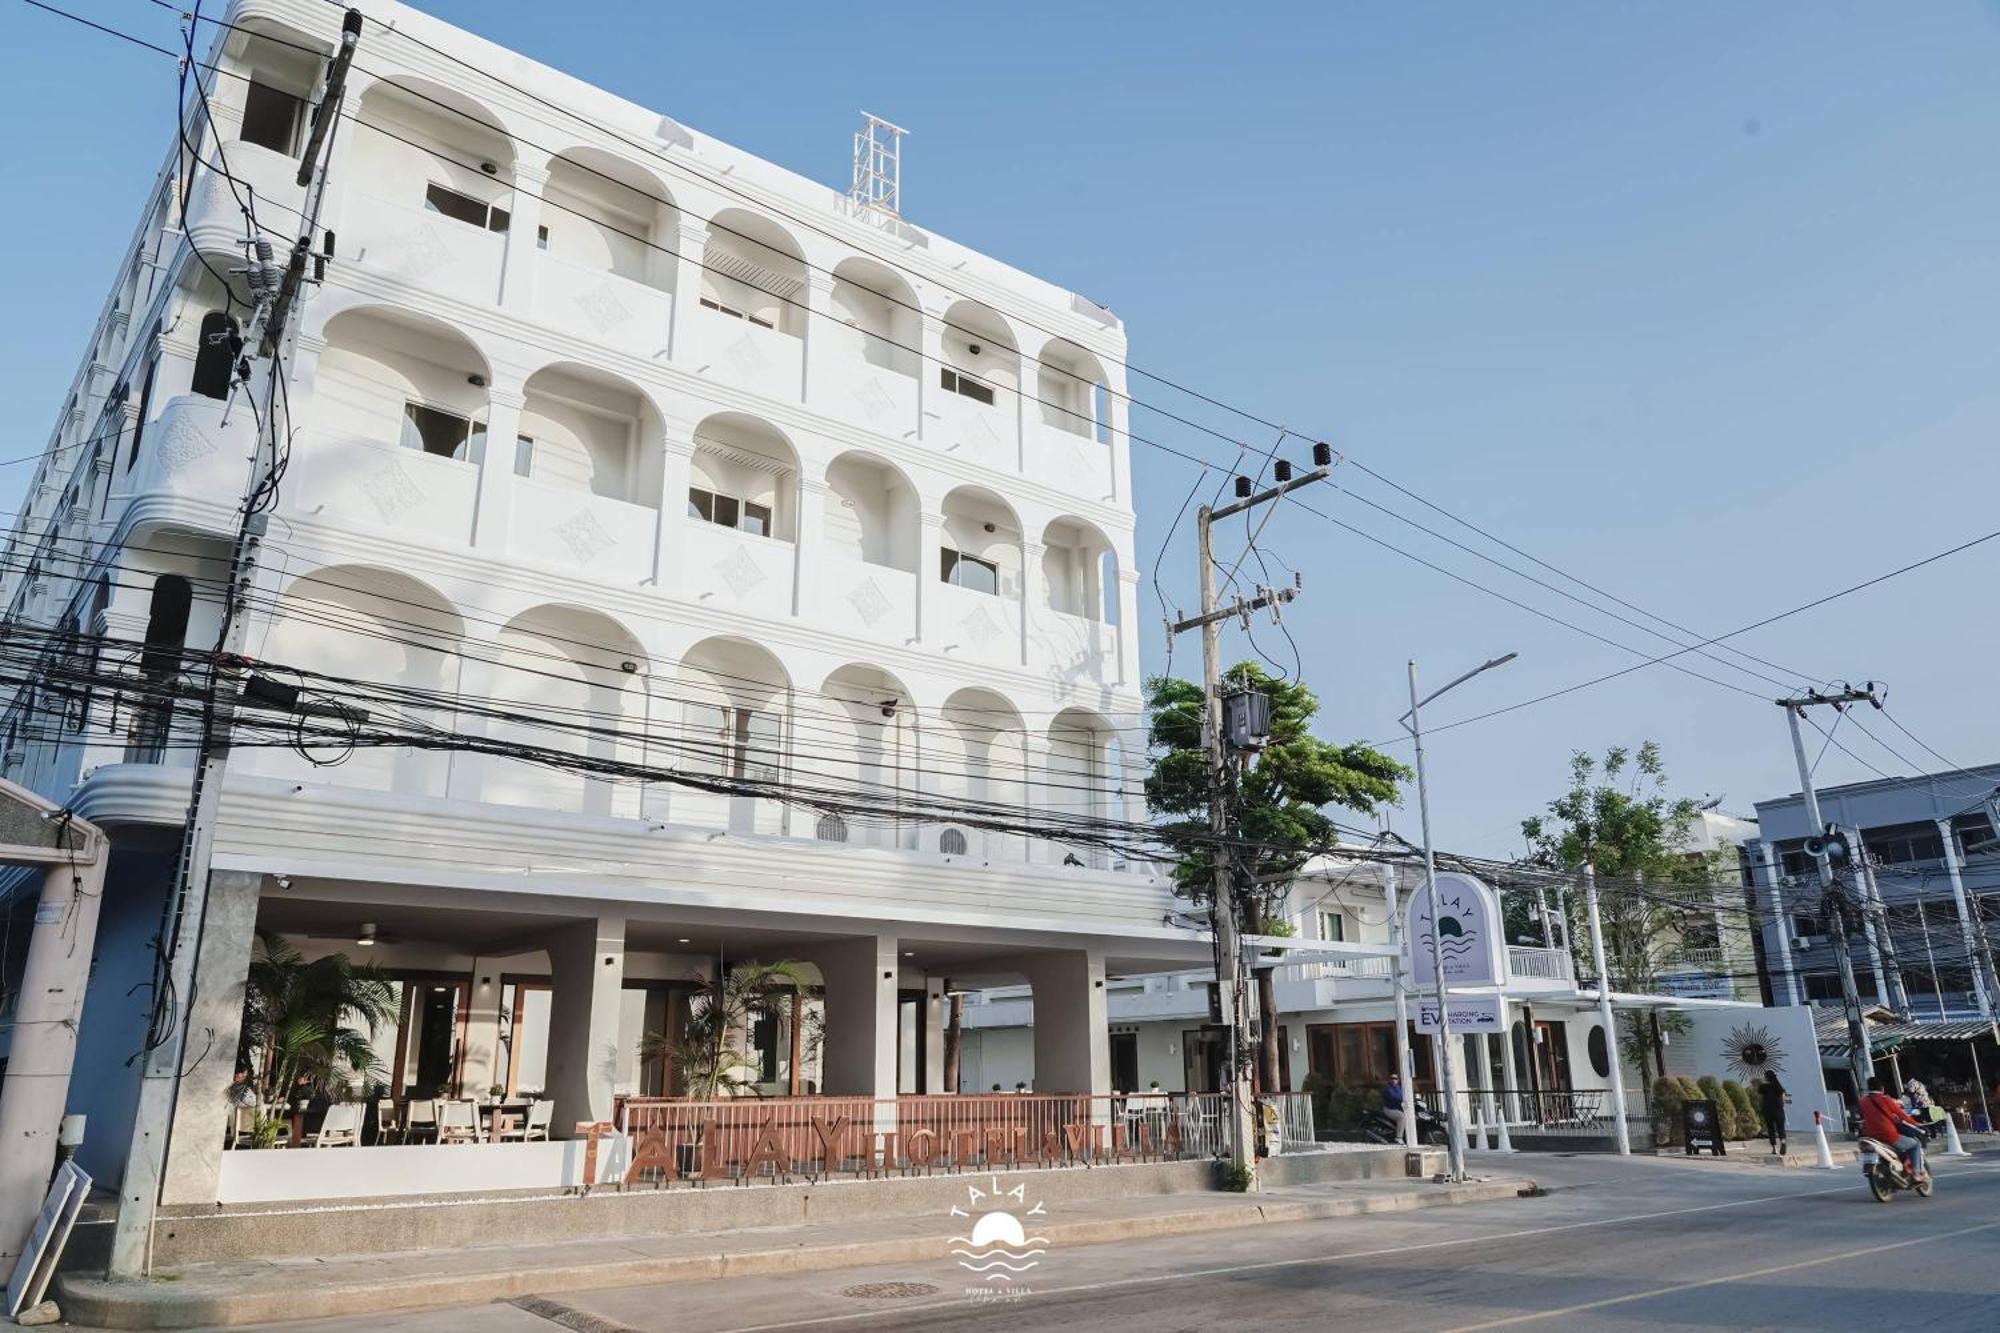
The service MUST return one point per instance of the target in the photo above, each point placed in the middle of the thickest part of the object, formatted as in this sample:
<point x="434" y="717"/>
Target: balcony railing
<point x="1538" y="964"/>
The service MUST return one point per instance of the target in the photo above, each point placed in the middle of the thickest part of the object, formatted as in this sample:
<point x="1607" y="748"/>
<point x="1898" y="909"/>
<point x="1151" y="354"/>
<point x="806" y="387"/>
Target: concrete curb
<point x="196" y="1301"/>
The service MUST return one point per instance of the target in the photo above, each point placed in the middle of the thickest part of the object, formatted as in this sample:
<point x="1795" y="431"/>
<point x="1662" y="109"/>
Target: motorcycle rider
<point x="1392" y="1101"/>
<point x="1884" y="1120"/>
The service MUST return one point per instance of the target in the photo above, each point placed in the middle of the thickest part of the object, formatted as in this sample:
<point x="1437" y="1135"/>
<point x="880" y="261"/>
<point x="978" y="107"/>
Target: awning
<point x="1887" y="1034"/>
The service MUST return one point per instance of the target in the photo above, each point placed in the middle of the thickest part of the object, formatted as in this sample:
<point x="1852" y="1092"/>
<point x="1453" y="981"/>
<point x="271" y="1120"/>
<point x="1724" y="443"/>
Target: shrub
<point x="1749" y="1119"/>
<point x="1669" y="1096"/>
<point x="1236" y="1179"/>
<point x="1725" y="1114"/>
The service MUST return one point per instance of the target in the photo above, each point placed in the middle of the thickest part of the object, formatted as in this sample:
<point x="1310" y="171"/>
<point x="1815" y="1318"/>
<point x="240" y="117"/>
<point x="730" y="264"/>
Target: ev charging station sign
<point x="1469" y="1013"/>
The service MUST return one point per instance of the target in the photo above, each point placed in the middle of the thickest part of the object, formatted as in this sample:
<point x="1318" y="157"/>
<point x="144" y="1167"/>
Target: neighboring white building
<point x="1336" y="1011"/>
<point x="595" y="413"/>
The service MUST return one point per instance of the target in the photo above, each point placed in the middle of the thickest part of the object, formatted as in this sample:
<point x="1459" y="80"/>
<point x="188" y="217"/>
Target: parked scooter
<point x="1888" y="1173"/>
<point x="1379" y="1128"/>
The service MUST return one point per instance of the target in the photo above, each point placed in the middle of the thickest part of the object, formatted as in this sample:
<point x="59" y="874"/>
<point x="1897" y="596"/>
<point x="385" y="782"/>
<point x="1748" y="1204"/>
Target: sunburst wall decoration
<point x="1751" y="1049"/>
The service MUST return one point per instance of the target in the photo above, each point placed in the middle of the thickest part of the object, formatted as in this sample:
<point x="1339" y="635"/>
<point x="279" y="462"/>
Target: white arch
<point x="734" y="701"/>
<point x="575" y="676"/>
<point x="880" y="307"/>
<point x="871" y="511"/>
<point x="753" y="267"/>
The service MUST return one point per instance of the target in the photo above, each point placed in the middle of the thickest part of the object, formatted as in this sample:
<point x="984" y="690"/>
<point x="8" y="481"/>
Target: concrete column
<point x="1974" y="963"/>
<point x="495" y="502"/>
<point x="45" y="1025"/>
<point x="587" y="974"/>
<point x="1784" y="986"/>
<point x="1034" y="597"/>
<point x="215" y="1021"/>
<point x="1127" y="594"/>
<point x="1510" y="1105"/>
<point x="517" y="278"/>
<point x="465" y="778"/>
<point x="676" y="465"/>
<point x="808" y="542"/>
<point x="930" y="394"/>
<point x="1027" y="407"/>
<point x="934" y="1022"/>
<point x="686" y="346"/>
<point x="858" y="1054"/>
<point x="483" y="1066"/>
<point x="1041" y="789"/>
<point x="1072" y="1035"/>
<point x="930" y="540"/>
<point x="1120" y="443"/>
<point x="820" y="325"/>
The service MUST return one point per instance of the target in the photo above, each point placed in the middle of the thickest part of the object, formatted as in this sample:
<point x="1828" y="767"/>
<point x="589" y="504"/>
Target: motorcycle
<point x="1379" y="1128"/>
<point x="1888" y="1173"/>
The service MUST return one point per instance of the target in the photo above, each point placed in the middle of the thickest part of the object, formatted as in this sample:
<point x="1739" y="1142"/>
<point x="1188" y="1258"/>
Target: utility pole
<point x="1860" y="1062"/>
<point x="1225" y="899"/>
<point x="1898" y="992"/>
<point x="1403" y="1067"/>
<point x="276" y="296"/>
<point x="1604" y="1009"/>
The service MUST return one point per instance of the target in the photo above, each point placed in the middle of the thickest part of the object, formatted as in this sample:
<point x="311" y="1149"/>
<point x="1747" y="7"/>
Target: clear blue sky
<point x="1697" y="301"/>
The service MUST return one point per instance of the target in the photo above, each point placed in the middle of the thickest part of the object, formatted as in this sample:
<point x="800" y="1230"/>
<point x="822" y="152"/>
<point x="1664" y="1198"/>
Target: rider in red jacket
<point x="1884" y="1120"/>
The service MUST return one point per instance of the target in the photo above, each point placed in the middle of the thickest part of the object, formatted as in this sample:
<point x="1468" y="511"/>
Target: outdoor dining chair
<point x="457" y="1122"/>
<point x="420" y="1123"/>
<point x="535" y="1127"/>
<point x="242" y="1127"/>
<point x="387" y="1128"/>
<point x="341" y="1127"/>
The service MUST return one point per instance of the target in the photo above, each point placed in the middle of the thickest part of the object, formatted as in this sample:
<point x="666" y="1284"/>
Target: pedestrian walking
<point x="1773" y="1098"/>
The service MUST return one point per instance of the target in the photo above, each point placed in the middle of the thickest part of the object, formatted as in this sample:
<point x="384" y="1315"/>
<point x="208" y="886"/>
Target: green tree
<point x="1617" y="816"/>
<point x="1281" y="801"/>
<point x="313" y="1019"/>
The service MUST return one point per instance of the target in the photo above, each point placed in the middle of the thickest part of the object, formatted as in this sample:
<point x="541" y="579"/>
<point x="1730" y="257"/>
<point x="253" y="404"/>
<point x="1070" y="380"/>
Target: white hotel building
<point x="595" y="414"/>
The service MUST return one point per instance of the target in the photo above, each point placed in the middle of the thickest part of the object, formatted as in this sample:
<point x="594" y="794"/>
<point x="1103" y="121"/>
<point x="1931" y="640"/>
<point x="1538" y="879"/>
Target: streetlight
<point x="1412" y="723"/>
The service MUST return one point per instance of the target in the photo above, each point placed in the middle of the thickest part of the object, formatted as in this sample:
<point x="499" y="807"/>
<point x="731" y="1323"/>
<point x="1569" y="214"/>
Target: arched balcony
<point x="1080" y="781"/>
<point x="1071" y="418"/>
<point x="870" y="538"/>
<point x="978" y="753"/>
<point x="431" y="198"/>
<point x="399" y="435"/>
<point x="581" y="666"/>
<point x="753" y="303"/>
<point x="979" y="577"/>
<point x="605" y="242"/>
<point x="873" y="347"/>
<point x="742" y="513"/>
<point x="979" y="380"/>
<point x="735" y="702"/>
<point x="861" y="739"/>
<point x="587" y="460"/>
<point x="378" y="626"/>
<point x="261" y="112"/>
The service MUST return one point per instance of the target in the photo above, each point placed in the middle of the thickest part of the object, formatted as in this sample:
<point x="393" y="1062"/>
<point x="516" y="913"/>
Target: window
<point x="464" y="208"/>
<point x="145" y="397"/>
<point x="443" y="434"/>
<point x="1332" y="927"/>
<point x="726" y="511"/>
<point x="951" y="842"/>
<point x="215" y="355"/>
<point x="271" y="119"/>
<point x="969" y="571"/>
<point x="734" y="742"/>
<point x="541" y="238"/>
<point x="524" y="455"/>
<point x="734" y="313"/>
<point x="1973" y="833"/>
<point x="1904" y="842"/>
<point x="957" y="381"/>
<point x="1806" y="927"/>
<point x="830" y="828"/>
<point x="1820" y="987"/>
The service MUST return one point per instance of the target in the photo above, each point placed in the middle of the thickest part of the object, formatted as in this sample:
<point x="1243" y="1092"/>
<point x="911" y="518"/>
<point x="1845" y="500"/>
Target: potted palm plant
<point x="712" y="1055"/>
<point x="310" y="1025"/>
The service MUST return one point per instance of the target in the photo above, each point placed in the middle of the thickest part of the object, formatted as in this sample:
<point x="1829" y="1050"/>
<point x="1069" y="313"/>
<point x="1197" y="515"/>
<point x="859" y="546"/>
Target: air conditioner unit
<point x="1807" y="941"/>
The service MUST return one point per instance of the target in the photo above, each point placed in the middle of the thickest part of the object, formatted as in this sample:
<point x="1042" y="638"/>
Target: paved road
<point x="1640" y="1244"/>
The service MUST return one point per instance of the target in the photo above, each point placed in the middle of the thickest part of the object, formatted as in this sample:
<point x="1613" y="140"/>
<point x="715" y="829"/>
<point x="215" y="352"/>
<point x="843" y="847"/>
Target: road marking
<point x="1267" y="1265"/>
<point x="1865" y="1252"/>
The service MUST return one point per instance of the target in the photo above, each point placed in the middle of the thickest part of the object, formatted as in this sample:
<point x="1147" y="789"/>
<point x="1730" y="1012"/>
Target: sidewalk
<point x="254" y="1292"/>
